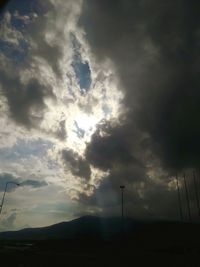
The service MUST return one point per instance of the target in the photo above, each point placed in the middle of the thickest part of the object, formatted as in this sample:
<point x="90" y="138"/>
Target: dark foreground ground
<point x="157" y="245"/>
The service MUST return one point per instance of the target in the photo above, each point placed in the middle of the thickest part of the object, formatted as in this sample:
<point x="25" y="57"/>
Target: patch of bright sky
<point x="38" y="207"/>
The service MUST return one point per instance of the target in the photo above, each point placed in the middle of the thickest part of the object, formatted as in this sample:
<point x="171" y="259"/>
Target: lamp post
<point x="187" y="198"/>
<point x="196" y="192"/>
<point x="1" y="206"/>
<point x="179" y="198"/>
<point x="122" y="187"/>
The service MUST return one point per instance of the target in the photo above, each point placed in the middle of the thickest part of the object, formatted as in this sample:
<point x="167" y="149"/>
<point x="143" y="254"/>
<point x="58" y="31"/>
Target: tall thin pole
<point x="3" y="197"/>
<point x="1" y="206"/>
<point x="179" y="198"/>
<point x="122" y="207"/>
<point x="187" y="198"/>
<point x="122" y="204"/>
<point x="197" y="180"/>
<point x="196" y="192"/>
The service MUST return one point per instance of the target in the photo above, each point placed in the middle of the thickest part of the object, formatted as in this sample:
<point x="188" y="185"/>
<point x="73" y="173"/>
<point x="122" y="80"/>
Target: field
<point x="160" y="245"/>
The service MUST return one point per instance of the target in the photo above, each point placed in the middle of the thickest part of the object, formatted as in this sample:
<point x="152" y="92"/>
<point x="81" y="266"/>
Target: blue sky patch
<point x="25" y="7"/>
<point x="18" y="23"/>
<point x="82" y="72"/>
<point x="25" y="150"/>
<point x="81" y="67"/>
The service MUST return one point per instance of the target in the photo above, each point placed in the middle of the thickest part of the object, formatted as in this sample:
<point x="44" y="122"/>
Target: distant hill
<point x="84" y="227"/>
<point x="96" y="228"/>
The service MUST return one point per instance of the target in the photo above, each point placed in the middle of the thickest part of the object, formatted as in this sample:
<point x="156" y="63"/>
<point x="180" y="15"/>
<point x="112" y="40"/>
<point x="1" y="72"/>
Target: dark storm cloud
<point x="155" y="47"/>
<point x="7" y="177"/>
<point x="146" y="201"/>
<point x="25" y="102"/>
<point x="78" y="165"/>
<point x="111" y="146"/>
<point x="33" y="183"/>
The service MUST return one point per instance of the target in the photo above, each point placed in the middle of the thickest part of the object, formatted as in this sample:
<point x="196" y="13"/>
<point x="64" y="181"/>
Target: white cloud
<point x="8" y="33"/>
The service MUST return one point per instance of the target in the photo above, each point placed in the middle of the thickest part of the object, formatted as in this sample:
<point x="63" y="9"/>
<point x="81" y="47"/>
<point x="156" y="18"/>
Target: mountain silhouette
<point x="95" y="241"/>
<point x="84" y="227"/>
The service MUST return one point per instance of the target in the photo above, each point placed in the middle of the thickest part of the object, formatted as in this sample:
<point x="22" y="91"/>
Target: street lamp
<point x="122" y="187"/>
<point x="1" y="206"/>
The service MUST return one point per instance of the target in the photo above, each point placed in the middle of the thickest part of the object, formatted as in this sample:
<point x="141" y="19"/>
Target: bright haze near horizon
<point x="95" y="94"/>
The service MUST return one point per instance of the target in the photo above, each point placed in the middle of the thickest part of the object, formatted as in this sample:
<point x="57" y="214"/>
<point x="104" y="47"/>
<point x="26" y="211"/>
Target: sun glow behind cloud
<point x="76" y="94"/>
<point x="85" y="122"/>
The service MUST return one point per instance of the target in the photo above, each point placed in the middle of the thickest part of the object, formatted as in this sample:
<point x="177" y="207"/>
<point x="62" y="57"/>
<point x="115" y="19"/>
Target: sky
<point x="95" y="94"/>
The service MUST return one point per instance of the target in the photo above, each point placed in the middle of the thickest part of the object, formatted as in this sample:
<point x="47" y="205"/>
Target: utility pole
<point x="179" y="198"/>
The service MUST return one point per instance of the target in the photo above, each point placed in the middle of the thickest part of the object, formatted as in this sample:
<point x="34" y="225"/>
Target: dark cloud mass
<point x="25" y="101"/>
<point x="111" y="146"/>
<point x="155" y="48"/>
<point x="33" y="183"/>
<point x="7" y="177"/>
<point x="78" y="166"/>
